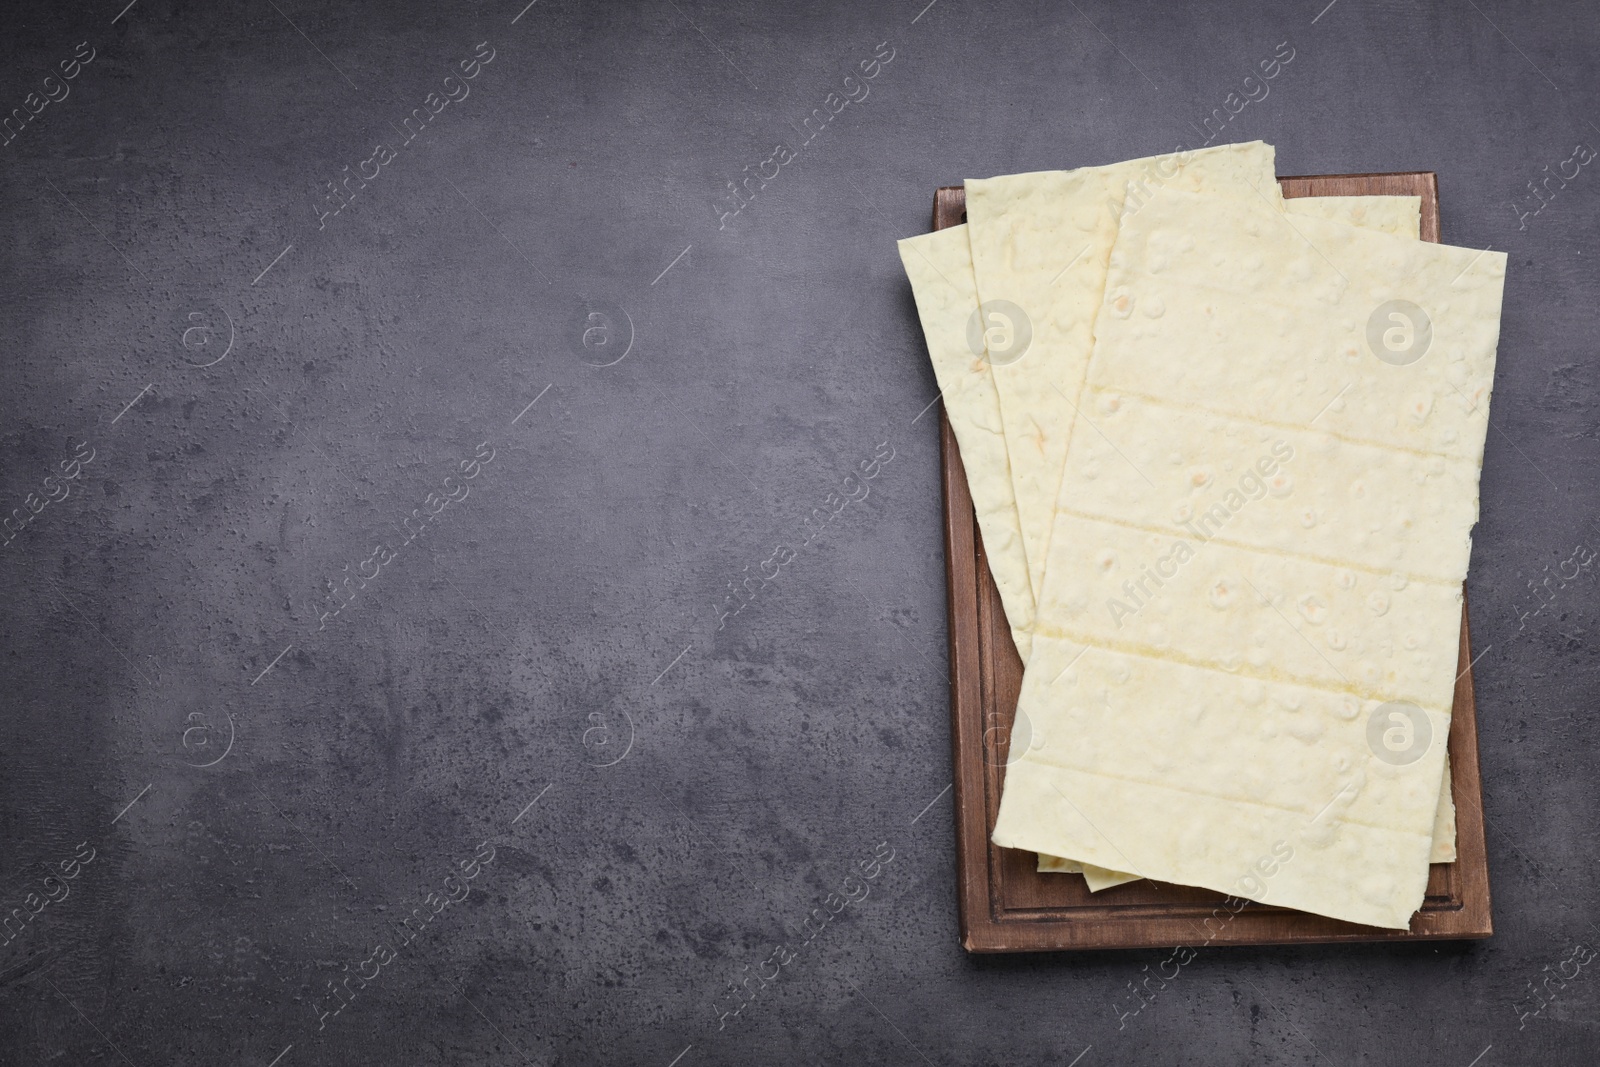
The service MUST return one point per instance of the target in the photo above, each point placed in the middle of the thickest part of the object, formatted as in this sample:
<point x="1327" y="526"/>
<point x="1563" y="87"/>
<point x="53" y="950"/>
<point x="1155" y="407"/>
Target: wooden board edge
<point x="961" y="607"/>
<point x="1472" y="846"/>
<point x="1061" y="936"/>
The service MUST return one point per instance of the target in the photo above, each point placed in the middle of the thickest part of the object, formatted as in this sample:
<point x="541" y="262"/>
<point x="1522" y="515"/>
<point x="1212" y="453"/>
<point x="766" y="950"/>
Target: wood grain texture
<point x="1005" y="904"/>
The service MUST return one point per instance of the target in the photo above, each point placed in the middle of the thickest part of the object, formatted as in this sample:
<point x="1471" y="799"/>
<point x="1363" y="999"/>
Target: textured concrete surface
<point x="529" y="727"/>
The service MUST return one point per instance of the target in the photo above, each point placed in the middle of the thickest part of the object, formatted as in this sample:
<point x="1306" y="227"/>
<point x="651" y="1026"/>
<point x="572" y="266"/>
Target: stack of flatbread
<point x="1224" y="451"/>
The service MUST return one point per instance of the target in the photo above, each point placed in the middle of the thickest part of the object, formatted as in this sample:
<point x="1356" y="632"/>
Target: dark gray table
<point x="417" y="413"/>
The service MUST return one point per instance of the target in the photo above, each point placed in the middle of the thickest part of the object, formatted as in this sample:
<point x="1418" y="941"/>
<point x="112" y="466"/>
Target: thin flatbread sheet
<point x="1041" y="243"/>
<point x="1401" y="216"/>
<point x="1275" y="355"/>
<point x="939" y="266"/>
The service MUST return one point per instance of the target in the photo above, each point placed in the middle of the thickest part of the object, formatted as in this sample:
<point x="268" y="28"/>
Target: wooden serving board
<point x="1005" y="904"/>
